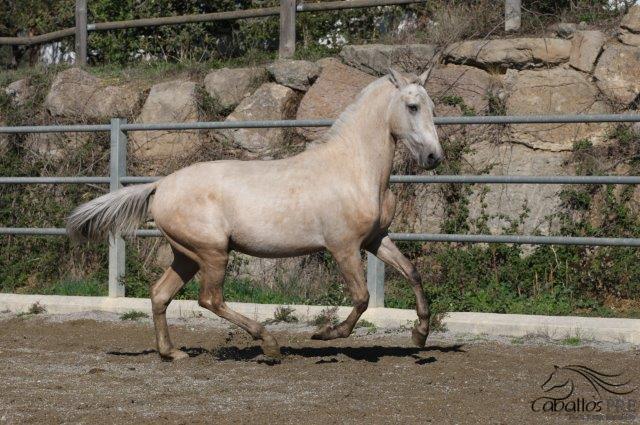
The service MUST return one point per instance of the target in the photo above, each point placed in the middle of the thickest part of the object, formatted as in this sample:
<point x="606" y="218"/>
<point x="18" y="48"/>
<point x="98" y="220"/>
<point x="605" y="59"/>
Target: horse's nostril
<point x="431" y="157"/>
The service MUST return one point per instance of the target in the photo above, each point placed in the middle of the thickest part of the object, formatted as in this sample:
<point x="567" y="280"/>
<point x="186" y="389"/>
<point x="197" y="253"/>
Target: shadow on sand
<point x="327" y="354"/>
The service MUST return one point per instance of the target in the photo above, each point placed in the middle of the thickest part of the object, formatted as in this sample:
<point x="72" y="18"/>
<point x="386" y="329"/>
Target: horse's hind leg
<point x="388" y="252"/>
<point x="350" y="265"/>
<point x="162" y="292"/>
<point x="211" y="298"/>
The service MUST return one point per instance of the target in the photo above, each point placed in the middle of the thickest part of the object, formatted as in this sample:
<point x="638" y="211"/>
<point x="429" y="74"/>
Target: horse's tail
<point x="121" y="211"/>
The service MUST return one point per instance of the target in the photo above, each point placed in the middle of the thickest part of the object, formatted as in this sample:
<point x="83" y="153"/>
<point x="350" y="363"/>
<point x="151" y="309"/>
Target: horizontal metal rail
<point x="515" y="239"/>
<point x="418" y="237"/>
<point x="76" y="128"/>
<point x="212" y="125"/>
<point x="430" y="179"/>
<point x="204" y="17"/>
<point x="54" y="180"/>
<point x="485" y="179"/>
<point x="60" y="231"/>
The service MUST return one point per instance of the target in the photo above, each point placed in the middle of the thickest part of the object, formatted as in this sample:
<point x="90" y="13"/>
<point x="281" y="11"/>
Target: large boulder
<point x="270" y="102"/>
<point x="297" y="74"/>
<point x="618" y="73"/>
<point x="585" y="49"/>
<point x="336" y="88"/>
<point x="172" y="101"/>
<point x="563" y="29"/>
<point x="520" y="53"/>
<point x="420" y="208"/>
<point x="228" y="86"/>
<point x="18" y="91"/>
<point x="378" y="58"/>
<point x="460" y="90"/>
<point x="630" y="38"/>
<point x="54" y="146"/>
<point x="75" y="93"/>
<point x="555" y="91"/>
<point x="630" y="27"/>
<point x="505" y="205"/>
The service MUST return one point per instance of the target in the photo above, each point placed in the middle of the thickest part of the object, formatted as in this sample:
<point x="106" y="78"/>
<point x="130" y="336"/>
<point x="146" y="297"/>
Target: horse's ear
<point x="424" y="77"/>
<point x="397" y="79"/>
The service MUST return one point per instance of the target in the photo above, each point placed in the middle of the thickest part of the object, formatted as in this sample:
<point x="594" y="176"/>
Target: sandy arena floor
<point x="95" y="368"/>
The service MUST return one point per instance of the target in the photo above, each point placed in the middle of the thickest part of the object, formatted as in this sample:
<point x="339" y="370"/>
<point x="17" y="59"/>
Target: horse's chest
<point x="387" y="209"/>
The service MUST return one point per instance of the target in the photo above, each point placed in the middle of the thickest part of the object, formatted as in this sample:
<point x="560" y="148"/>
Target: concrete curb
<point x="491" y="324"/>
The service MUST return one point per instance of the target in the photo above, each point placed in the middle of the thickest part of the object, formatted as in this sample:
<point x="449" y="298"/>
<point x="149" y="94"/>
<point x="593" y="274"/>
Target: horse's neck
<point x="362" y="137"/>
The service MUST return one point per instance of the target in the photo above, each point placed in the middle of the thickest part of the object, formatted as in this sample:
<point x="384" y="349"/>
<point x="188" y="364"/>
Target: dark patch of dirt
<point x="86" y="371"/>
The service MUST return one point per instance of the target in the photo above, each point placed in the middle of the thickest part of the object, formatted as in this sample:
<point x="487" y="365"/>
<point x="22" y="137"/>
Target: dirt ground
<point x="95" y="368"/>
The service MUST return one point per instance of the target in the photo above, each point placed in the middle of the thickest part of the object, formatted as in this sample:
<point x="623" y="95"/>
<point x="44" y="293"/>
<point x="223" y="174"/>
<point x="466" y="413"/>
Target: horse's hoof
<point x="323" y="333"/>
<point x="418" y="338"/>
<point x="272" y="351"/>
<point x="173" y="355"/>
<point x="270" y="347"/>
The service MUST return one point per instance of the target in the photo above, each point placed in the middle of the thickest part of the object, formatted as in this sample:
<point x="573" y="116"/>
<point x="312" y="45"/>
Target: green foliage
<point x="328" y="316"/>
<point x="496" y="106"/>
<point x="453" y="100"/>
<point x="82" y="287"/>
<point x="134" y="315"/>
<point x="283" y="314"/>
<point x="573" y="341"/>
<point x="197" y="41"/>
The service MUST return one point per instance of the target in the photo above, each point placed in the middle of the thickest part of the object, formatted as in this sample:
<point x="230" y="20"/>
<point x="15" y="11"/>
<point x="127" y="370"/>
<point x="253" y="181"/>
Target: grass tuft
<point x="134" y="315"/>
<point x="572" y="341"/>
<point x="283" y="314"/>
<point x="328" y="316"/>
<point x="369" y="326"/>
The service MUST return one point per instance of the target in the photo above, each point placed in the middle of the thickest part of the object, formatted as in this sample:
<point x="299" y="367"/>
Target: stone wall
<point x="581" y="71"/>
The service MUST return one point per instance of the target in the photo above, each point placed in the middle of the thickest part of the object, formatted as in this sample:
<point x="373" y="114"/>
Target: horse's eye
<point x="413" y="108"/>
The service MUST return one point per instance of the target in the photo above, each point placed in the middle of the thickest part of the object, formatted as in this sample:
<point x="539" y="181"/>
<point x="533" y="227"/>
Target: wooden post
<point x="512" y="15"/>
<point x="287" y="28"/>
<point x="81" y="32"/>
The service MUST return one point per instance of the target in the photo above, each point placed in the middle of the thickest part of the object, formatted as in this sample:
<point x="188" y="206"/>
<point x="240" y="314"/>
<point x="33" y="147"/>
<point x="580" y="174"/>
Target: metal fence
<point x="118" y="129"/>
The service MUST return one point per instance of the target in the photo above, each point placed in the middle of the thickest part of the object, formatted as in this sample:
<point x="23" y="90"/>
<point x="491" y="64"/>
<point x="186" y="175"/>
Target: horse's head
<point x="557" y="379"/>
<point x="411" y="119"/>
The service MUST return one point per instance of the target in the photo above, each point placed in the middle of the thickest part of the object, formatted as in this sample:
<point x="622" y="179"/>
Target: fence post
<point x="117" y="169"/>
<point x="375" y="280"/>
<point x="81" y="32"/>
<point x="287" y="28"/>
<point x="512" y="15"/>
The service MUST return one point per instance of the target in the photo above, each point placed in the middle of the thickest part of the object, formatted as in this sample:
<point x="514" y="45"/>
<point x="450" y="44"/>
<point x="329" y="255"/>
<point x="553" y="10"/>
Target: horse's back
<point x="264" y="208"/>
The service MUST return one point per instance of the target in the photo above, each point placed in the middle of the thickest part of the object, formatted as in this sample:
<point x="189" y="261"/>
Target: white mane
<point x="345" y="116"/>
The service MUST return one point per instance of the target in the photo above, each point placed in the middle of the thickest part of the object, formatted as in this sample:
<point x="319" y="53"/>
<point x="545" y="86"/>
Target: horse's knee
<point x="361" y="301"/>
<point x="414" y="276"/>
<point x="211" y="305"/>
<point x="159" y="301"/>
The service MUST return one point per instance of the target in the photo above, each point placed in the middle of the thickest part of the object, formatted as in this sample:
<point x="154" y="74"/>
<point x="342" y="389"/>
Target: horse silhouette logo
<point x="564" y="381"/>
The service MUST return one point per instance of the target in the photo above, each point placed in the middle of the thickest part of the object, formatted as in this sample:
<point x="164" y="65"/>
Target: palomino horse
<point x="334" y="197"/>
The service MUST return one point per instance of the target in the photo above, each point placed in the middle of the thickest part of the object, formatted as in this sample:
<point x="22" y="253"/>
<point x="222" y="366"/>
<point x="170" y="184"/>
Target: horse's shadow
<point x="371" y="354"/>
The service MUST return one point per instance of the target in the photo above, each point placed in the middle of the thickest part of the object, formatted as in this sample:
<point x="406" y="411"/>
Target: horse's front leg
<point x="350" y="264"/>
<point x="387" y="251"/>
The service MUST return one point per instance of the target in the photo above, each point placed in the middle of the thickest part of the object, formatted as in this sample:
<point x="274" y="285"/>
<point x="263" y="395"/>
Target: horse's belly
<point x="274" y="243"/>
<point x="275" y="234"/>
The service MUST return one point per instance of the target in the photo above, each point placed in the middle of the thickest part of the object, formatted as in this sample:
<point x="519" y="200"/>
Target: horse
<point x="332" y="197"/>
